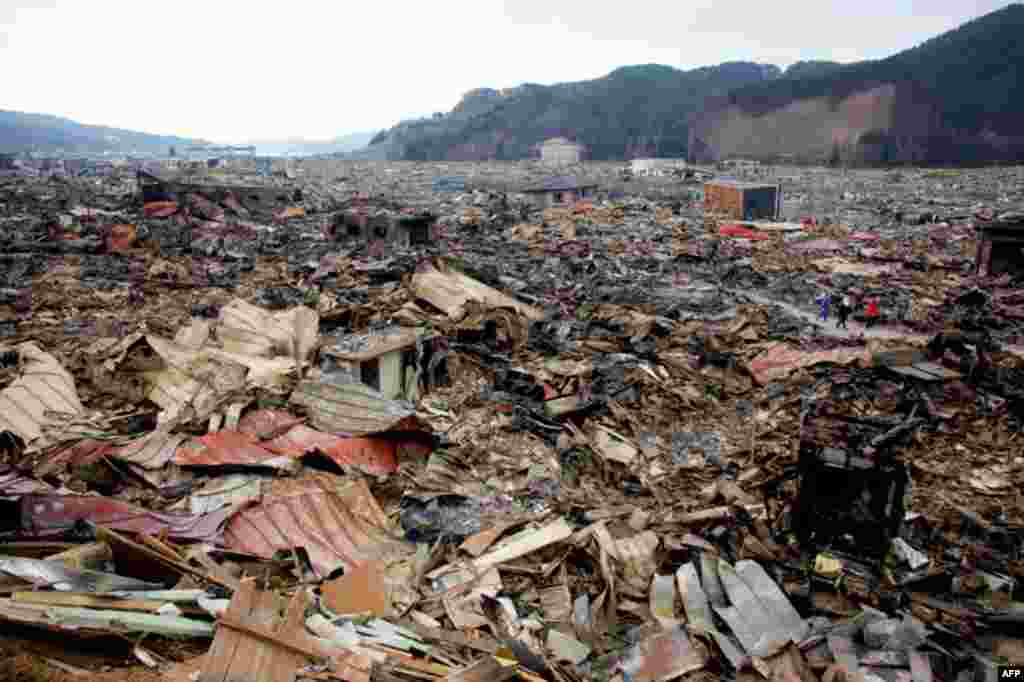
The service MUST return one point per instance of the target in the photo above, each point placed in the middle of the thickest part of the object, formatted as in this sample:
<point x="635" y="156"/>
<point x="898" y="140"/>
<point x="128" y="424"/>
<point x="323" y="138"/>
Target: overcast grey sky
<point x="232" y="71"/>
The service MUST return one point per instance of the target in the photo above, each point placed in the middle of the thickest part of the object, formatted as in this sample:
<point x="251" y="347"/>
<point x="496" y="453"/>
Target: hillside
<point x="632" y="112"/>
<point x="810" y="69"/>
<point x="955" y="98"/>
<point x="22" y="132"/>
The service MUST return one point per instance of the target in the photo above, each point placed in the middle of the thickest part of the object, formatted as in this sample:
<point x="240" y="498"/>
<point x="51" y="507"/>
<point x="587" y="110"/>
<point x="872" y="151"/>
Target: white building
<point x="559" y="150"/>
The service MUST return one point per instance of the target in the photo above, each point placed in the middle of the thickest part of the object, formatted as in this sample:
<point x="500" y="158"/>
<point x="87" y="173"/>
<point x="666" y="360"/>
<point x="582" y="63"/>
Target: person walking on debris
<point x="872" y="313"/>
<point x="843" y="312"/>
<point x="825" y="301"/>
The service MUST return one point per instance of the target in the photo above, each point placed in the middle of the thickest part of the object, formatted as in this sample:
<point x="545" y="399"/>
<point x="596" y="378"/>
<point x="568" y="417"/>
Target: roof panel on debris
<point x="562" y="183"/>
<point x="230" y="448"/>
<point x="52" y="515"/>
<point x="338" y="522"/>
<point x="43" y="395"/>
<point x="353" y="409"/>
<point x="450" y="291"/>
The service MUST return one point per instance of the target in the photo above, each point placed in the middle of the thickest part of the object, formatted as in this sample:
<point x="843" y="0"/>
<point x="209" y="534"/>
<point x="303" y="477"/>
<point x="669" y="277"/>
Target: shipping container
<point x="742" y="201"/>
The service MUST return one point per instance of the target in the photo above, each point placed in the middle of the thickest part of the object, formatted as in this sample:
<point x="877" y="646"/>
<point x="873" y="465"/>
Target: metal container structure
<point x="742" y="201"/>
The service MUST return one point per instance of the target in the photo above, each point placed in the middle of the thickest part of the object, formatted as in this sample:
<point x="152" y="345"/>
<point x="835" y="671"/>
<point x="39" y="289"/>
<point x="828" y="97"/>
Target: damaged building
<point x="560" y="190"/>
<point x="1001" y="246"/>
<point x="399" y="363"/>
<point x="370" y="224"/>
<point x="260" y="198"/>
<point x="743" y="200"/>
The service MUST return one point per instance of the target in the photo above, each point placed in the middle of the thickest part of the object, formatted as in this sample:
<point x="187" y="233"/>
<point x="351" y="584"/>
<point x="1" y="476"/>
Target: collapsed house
<point x="1001" y="246"/>
<point x="560" y="190"/>
<point x="256" y="198"/>
<point x="399" y="363"/>
<point x="635" y="471"/>
<point x="369" y="224"/>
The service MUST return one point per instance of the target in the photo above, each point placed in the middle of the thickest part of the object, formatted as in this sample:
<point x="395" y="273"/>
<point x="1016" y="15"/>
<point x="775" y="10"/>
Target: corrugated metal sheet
<point x="373" y="455"/>
<point x="265" y="424"/>
<point x="238" y="655"/>
<point x="152" y="451"/>
<point x="353" y="409"/>
<point x="160" y="209"/>
<point x="226" y="491"/>
<point x="51" y="515"/>
<point x="780" y="360"/>
<point x="742" y="232"/>
<point x="230" y="448"/>
<point x="723" y="198"/>
<point x="337" y="521"/>
<point x="450" y="291"/>
<point x="56" y="575"/>
<point x="42" y="395"/>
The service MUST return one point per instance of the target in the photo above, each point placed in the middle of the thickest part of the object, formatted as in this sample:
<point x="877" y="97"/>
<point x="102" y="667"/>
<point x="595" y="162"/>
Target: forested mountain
<point x="633" y="111"/>
<point x="22" y="132"/>
<point x="956" y="97"/>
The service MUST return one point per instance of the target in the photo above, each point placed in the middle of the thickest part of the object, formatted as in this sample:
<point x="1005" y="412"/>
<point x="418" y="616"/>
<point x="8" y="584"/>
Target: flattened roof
<point x="561" y="183"/>
<point x="337" y="521"/>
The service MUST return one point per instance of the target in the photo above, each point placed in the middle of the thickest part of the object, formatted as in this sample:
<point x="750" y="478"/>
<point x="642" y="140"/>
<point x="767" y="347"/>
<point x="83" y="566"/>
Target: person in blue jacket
<point x="825" y="301"/>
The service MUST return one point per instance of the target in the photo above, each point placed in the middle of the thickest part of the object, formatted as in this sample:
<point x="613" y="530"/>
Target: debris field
<point x="375" y="424"/>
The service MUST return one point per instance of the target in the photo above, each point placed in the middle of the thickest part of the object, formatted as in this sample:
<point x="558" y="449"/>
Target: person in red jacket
<point x="872" y="313"/>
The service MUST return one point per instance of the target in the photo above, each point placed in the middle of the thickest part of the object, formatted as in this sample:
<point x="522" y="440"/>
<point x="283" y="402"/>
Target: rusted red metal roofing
<point x="152" y="451"/>
<point x="779" y="360"/>
<point x="337" y="521"/>
<point x="49" y="515"/>
<point x="225" y="448"/>
<point x="160" y="209"/>
<point x="266" y="424"/>
<point x="743" y="232"/>
<point x="375" y="455"/>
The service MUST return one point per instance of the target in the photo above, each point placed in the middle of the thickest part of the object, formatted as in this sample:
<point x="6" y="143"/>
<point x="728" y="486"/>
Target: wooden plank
<point x="262" y="632"/>
<point x="91" y="601"/>
<point x="253" y="653"/>
<point x="484" y="670"/>
<point x="285" y="663"/>
<point x="180" y="566"/>
<point x="479" y="543"/>
<point x="542" y="537"/>
<point x="225" y="643"/>
<point x="487" y="646"/>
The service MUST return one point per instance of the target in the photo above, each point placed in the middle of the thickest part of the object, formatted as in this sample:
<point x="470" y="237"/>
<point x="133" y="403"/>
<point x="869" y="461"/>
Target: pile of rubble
<point x="249" y="436"/>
